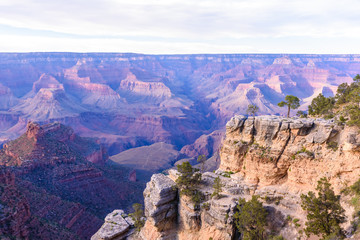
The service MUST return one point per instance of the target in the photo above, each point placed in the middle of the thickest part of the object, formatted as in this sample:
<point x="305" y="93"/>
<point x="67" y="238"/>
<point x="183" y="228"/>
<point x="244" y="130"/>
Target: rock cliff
<point x="273" y="157"/>
<point x="57" y="185"/>
<point x="269" y="150"/>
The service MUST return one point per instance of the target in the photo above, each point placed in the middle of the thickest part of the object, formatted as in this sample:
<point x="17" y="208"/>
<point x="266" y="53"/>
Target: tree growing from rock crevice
<point x="324" y="213"/>
<point x="291" y="102"/>
<point x="250" y="219"/>
<point x="138" y="216"/>
<point x="217" y="188"/>
<point x="252" y="109"/>
<point x="188" y="182"/>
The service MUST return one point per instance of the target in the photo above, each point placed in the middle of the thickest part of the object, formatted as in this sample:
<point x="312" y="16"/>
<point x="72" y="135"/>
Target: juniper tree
<point x="250" y="219"/>
<point x="137" y="216"/>
<point x="324" y="213"/>
<point x="188" y="182"/>
<point x="291" y="102"/>
<point x="252" y="109"/>
<point x="321" y="105"/>
<point x="217" y="188"/>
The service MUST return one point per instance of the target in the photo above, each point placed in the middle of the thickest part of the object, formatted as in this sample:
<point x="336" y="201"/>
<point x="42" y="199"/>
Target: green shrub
<point x="188" y="182"/>
<point x="324" y="213"/>
<point x="137" y="216"/>
<point x="217" y="188"/>
<point x="250" y="219"/>
<point x="332" y="145"/>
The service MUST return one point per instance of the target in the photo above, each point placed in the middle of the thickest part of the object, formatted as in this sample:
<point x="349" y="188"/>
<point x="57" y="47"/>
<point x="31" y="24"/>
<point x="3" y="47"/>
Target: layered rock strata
<point x="272" y="157"/>
<point x="269" y="150"/>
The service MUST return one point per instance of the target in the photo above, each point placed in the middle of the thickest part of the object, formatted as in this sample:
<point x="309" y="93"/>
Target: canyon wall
<point x="272" y="157"/>
<point x="130" y="100"/>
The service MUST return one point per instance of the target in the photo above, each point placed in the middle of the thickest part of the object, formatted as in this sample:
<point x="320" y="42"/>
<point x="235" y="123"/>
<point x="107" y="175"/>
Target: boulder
<point x="115" y="227"/>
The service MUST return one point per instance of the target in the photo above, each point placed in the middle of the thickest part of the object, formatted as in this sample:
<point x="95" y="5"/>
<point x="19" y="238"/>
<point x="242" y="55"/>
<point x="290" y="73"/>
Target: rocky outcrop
<point x="270" y="150"/>
<point x="63" y="183"/>
<point x="116" y="227"/>
<point x="132" y="85"/>
<point x="48" y="145"/>
<point x="272" y="157"/>
<point x="46" y="81"/>
<point x="161" y="200"/>
<point x="48" y="103"/>
<point x="205" y="145"/>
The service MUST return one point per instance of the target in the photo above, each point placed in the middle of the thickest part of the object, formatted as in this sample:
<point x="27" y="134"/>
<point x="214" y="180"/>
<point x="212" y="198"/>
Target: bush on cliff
<point x="252" y="109"/>
<point x="324" y="213"/>
<point x="217" y="188"/>
<point x="321" y="105"/>
<point x="188" y="182"/>
<point x="345" y="103"/>
<point x="250" y="219"/>
<point x="138" y="216"/>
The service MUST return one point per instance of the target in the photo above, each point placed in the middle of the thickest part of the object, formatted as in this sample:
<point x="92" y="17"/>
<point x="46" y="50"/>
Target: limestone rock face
<point x="160" y="197"/>
<point x="272" y="157"/>
<point x="268" y="150"/>
<point x="115" y="227"/>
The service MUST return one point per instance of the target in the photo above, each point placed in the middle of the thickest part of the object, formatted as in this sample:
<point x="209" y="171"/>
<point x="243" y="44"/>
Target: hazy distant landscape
<point x="131" y="100"/>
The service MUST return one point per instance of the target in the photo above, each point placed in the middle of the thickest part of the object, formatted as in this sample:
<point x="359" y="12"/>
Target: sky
<point x="181" y="26"/>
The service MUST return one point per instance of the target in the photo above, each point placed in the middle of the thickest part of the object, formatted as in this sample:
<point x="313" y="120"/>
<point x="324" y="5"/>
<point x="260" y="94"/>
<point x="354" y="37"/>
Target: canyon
<point x="130" y="100"/>
<point x="63" y="114"/>
<point x="57" y="185"/>
<point x="273" y="157"/>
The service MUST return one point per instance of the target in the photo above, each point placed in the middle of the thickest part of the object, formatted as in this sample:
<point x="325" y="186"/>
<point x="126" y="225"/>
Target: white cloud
<point x="205" y="24"/>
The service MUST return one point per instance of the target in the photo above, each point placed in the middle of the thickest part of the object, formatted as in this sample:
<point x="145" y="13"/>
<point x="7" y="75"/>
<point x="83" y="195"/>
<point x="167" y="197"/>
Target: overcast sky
<point x="181" y="26"/>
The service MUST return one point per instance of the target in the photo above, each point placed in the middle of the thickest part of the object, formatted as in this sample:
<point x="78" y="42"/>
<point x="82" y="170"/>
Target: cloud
<point x="246" y="24"/>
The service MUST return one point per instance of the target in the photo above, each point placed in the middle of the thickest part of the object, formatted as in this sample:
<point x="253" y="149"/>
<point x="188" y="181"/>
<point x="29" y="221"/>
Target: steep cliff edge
<point x="269" y="150"/>
<point x="272" y="157"/>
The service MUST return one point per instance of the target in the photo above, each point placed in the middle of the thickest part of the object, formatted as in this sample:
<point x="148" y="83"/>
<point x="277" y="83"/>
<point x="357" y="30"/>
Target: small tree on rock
<point x="291" y="102"/>
<point x="217" y="188"/>
<point x="301" y="114"/>
<point x="138" y="216"/>
<point x="252" y="109"/>
<point x="188" y="182"/>
<point x="324" y="213"/>
<point x="250" y="219"/>
<point x="321" y="105"/>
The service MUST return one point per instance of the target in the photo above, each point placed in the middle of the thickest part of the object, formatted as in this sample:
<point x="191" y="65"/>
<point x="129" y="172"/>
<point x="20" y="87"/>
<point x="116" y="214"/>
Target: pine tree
<point x="291" y="102"/>
<point x="250" y="219"/>
<point x="324" y="213"/>
<point x="321" y="105"/>
<point x="137" y="216"/>
<point x="188" y="182"/>
<point x="252" y="109"/>
<point x="217" y="188"/>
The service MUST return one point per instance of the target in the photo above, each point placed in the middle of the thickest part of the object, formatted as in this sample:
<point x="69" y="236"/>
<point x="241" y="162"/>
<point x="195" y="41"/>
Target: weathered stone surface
<point x="292" y="151"/>
<point x="160" y="197"/>
<point x="235" y="123"/>
<point x="114" y="228"/>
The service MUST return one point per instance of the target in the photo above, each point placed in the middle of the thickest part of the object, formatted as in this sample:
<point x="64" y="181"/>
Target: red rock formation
<point x="64" y="191"/>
